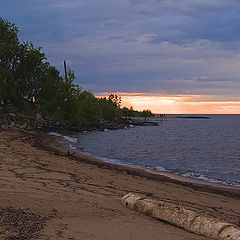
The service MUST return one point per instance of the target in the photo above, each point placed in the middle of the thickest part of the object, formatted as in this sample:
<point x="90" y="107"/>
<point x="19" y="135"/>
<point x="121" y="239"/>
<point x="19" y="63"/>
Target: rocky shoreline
<point x="47" y="124"/>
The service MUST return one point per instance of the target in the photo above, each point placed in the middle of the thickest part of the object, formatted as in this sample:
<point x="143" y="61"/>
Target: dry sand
<point x="80" y="197"/>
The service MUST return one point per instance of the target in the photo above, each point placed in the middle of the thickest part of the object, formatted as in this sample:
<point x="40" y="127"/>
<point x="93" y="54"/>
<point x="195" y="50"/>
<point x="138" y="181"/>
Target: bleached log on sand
<point x="182" y="217"/>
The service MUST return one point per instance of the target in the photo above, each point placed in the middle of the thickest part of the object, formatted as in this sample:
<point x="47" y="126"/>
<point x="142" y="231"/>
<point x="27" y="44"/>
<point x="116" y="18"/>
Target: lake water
<point x="203" y="149"/>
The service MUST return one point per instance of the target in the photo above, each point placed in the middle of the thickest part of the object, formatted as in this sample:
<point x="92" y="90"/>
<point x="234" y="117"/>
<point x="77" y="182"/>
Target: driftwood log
<point x="182" y="217"/>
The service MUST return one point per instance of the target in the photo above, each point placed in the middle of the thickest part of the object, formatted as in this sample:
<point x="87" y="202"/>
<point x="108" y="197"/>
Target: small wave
<point x="205" y="178"/>
<point x="70" y="139"/>
<point x="55" y="134"/>
<point x="104" y="159"/>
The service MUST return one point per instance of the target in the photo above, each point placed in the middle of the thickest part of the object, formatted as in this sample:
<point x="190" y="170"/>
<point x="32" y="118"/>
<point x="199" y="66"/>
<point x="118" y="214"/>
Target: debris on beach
<point x="19" y="224"/>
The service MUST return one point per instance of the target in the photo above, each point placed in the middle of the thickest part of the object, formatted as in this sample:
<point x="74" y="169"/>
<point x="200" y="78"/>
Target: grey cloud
<point x="137" y="45"/>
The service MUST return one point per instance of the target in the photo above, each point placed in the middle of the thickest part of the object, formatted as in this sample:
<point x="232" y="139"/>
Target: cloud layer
<point x="161" y="46"/>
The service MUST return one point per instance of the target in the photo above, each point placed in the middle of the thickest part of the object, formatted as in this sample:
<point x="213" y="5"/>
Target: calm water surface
<point x="205" y="149"/>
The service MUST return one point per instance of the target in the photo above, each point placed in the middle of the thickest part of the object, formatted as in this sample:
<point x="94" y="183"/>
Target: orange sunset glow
<point x="181" y="104"/>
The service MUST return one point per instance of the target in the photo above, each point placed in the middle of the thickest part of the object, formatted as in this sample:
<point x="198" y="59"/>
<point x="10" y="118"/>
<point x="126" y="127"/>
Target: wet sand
<point x="80" y="197"/>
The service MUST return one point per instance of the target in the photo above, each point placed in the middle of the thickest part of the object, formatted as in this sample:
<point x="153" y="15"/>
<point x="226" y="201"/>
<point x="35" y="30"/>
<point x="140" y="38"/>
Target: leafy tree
<point x="90" y="107"/>
<point x="111" y="108"/>
<point x="146" y="113"/>
<point x="134" y="113"/>
<point x="8" y="47"/>
<point x="115" y="100"/>
<point x="20" y="67"/>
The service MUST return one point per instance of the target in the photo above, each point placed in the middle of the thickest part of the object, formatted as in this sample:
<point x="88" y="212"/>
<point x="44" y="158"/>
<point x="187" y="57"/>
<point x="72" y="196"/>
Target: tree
<point x="146" y="113"/>
<point x="8" y="60"/>
<point x="115" y="99"/>
<point x="21" y="67"/>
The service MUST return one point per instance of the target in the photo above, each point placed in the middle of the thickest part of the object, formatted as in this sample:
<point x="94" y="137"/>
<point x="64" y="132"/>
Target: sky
<point x="171" y="56"/>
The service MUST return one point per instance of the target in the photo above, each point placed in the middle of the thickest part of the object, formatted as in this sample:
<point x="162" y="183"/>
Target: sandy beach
<point x="79" y="197"/>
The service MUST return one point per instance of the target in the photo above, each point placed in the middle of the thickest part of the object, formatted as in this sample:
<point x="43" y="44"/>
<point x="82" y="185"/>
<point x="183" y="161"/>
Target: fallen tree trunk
<point x="182" y="217"/>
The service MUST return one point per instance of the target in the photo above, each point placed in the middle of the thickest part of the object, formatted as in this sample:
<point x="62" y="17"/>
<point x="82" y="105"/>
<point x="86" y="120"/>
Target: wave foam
<point x="55" y="134"/>
<point x="70" y="139"/>
<point x="205" y="178"/>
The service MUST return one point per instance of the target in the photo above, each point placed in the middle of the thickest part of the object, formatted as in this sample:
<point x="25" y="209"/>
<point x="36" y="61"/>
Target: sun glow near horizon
<point x="179" y="104"/>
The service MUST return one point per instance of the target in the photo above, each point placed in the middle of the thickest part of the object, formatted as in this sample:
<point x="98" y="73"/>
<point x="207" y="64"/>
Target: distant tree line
<point x="134" y="113"/>
<point x="30" y="84"/>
